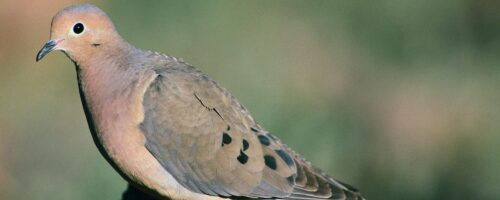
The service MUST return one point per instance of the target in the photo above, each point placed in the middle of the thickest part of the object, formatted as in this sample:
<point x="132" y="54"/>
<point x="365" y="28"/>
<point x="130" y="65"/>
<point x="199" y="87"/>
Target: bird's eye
<point x="78" y="28"/>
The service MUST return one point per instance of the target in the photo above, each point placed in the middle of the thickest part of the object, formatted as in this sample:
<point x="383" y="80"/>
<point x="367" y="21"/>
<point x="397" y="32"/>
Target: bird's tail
<point x="313" y="183"/>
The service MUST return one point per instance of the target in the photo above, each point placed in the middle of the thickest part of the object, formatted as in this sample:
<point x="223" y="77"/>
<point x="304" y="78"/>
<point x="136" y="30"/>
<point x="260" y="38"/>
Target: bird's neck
<point x="102" y="78"/>
<point x="111" y="95"/>
<point x="106" y="72"/>
<point x="111" y="90"/>
<point x="109" y="82"/>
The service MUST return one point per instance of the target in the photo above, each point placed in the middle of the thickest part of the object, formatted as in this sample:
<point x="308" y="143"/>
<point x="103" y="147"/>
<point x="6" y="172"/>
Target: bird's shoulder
<point x="194" y="120"/>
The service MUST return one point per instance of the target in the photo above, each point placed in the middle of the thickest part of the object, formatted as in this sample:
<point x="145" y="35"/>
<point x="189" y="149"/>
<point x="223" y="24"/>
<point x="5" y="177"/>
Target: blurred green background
<point x="399" y="98"/>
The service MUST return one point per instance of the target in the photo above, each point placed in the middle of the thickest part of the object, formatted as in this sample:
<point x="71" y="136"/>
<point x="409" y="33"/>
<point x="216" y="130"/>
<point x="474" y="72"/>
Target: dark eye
<point x="78" y="28"/>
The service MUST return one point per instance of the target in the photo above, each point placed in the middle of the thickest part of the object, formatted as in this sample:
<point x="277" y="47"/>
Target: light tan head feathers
<point x="80" y="31"/>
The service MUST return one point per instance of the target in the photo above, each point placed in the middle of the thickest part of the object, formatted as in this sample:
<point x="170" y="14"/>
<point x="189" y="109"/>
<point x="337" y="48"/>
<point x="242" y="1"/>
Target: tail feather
<point x="312" y="183"/>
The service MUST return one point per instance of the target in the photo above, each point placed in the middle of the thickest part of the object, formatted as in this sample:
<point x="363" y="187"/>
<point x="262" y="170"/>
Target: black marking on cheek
<point x="254" y="129"/>
<point x="245" y="145"/>
<point x="264" y="140"/>
<point x="285" y="157"/>
<point x="270" y="162"/>
<point x="226" y="139"/>
<point x="96" y="45"/>
<point x="242" y="158"/>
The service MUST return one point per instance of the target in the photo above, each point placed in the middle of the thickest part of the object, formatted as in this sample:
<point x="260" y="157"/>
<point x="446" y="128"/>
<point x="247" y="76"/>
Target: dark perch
<point x="134" y="194"/>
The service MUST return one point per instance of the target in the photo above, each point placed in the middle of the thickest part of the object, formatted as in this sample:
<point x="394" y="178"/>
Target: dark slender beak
<point x="47" y="48"/>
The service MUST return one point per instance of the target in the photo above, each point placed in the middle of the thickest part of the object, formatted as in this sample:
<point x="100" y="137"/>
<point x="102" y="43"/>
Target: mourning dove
<point x="170" y="130"/>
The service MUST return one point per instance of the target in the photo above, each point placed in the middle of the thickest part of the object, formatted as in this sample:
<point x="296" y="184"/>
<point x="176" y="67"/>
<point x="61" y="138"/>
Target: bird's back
<point x="211" y="144"/>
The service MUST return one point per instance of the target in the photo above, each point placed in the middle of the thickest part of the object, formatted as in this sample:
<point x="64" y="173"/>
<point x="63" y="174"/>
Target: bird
<point x="171" y="131"/>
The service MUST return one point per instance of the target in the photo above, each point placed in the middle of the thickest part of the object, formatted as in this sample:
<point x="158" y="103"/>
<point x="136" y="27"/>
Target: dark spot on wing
<point x="242" y="158"/>
<point x="264" y="140"/>
<point x="270" y="162"/>
<point x="226" y="139"/>
<point x="254" y="129"/>
<point x="245" y="145"/>
<point x="228" y="128"/>
<point x="285" y="157"/>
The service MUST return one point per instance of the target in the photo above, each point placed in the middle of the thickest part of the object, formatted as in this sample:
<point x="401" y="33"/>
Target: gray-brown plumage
<point x="170" y="130"/>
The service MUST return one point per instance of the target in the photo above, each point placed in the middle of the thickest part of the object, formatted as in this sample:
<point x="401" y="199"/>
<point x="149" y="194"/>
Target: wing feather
<point x="210" y="143"/>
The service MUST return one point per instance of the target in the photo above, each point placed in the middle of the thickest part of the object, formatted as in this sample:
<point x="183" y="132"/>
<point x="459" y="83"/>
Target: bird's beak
<point x="47" y="48"/>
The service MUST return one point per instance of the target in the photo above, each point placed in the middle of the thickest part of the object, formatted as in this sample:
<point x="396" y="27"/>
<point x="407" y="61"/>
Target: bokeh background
<point x="399" y="98"/>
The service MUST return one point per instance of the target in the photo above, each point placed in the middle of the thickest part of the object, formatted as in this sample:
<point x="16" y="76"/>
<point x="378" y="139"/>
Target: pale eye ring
<point x="78" y="28"/>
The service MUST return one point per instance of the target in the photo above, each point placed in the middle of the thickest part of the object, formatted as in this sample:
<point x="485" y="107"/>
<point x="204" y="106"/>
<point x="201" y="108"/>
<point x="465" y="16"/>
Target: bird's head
<point x="80" y="31"/>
